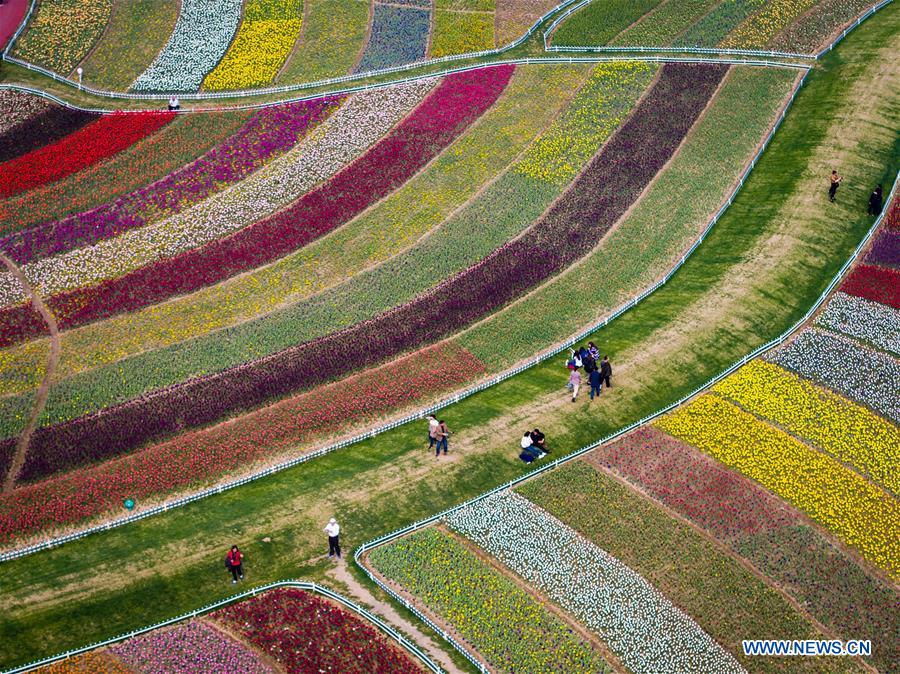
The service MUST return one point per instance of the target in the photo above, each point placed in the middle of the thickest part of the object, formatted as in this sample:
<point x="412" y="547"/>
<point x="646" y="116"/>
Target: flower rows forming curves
<point x="89" y="145"/>
<point x="508" y="627"/>
<point x="399" y="35"/>
<point x="761" y="528"/>
<point x="201" y="37"/>
<point x="268" y="134"/>
<point x="644" y="629"/>
<point x="17" y="108"/>
<point x="41" y="126"/>
<point x="864" y="320"/>
<point x="357" y="124"/>
<point x="61" y="33"/>
<point x="595" y="201"/>
<point x="457" y="102"/>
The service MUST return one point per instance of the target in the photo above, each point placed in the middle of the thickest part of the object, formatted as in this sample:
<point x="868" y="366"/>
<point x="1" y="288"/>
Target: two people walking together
<point x="438" y="435"/>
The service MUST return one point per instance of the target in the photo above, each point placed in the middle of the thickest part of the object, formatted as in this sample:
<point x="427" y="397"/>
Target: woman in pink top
<point x="574" y="383"/>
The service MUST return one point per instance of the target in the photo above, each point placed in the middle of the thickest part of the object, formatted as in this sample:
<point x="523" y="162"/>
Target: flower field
<point x="848" y="432"/>
<point x="398" y="35"/>
<point x="93" y="662"/>
<point x="856" y="511"/>
<point x="841" y="364"/>
<point x="600" y="21"/>
<point x="62" y="32"/>
<point x="763" y="25"/>
<point x="91" y="144"/>
<point x="462" y="26"/>
<point x="760" y="527"/>
<point x="712" y="29"/>
<point x="885" y="250"/>
<point x="262" y="44"/>
<point x="874" y="283"/>
<point x="861" y="319"/>
<point x="17" y="107"/>
<point x="669" y="20"/>
<point x="199" y="457"/>
<point x="202" y="34"/>
<point x="41" y="127"/>
<point x="597" y="588"/>
<point x="506" y="625"/>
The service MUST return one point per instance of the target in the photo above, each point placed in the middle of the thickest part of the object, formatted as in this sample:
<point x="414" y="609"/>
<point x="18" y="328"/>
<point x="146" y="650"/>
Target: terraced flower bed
<point x="462" y="26"/>
<point x="61" y="33"/>
<point x="759" y="29"/>
<point x="94" y="662"/>
<point x="600" y="21"/>
<point x="874" y="283"/>
<point x="90" y="145"/>
<point x="50" y="124"/>
<point x="398" y="35"/>
<point x="814" y="29"/>
<point x="861" y="319"/>
<point x="17" y="107"/>
<point x="761" y="528"/>
<point x="660" y="27"/>
<point x="592" y="585"/>
<point x="885" y="250"/>
<point x="202" y="34"/>
<point x="506" y="625"/>
<point x="713" y="28"/>
<point x="856" y="511"/>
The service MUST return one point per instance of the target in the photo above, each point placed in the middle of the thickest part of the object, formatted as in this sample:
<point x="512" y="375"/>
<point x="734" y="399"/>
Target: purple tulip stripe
<point x="886" y="250"/>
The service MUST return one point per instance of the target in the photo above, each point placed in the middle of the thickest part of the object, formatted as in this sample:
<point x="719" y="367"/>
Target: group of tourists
<point x="438" y="435"/>
<point x="597" y="371"/>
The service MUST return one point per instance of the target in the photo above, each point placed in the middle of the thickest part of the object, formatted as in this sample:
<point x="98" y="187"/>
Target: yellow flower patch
<point x="855" y="510"/>
<point x="761" y="27"/>
<point x="847" y="431"/>
<point x="256" y="55"/>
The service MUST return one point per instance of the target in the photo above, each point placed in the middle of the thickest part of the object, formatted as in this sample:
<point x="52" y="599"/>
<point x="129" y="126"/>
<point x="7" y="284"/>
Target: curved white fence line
<point x="303" y="585"/>
<point x="550" y="353"/>
<point x="387" y="538"/>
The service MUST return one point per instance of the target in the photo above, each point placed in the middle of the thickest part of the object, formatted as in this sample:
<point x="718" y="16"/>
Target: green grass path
<point x="755" y="275"/>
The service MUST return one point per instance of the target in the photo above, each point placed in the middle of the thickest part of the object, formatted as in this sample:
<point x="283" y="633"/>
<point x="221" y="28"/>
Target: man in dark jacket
<point x="876" y="201"/>
<point x="605" y="371"/>
<point x="596" y="383"/>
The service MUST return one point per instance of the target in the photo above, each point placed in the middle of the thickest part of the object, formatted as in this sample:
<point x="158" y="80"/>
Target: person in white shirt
<point x="526" y="441"/>
<point x="434" y="430"/>
<point x="333" y="529"/>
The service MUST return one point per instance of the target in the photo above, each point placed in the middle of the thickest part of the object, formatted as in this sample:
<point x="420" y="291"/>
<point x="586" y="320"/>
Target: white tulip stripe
<point x="869" y="321"/>
<point x="351" y="130"/>
<point x="202" y="35"/>
<point x="645" y="630"/>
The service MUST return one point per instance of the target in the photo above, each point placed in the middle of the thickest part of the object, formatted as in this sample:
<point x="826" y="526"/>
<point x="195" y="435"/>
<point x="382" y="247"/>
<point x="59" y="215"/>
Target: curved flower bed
<point x="758" y="30"/>
<point x="457" y="102"/>
<point x="269" y="133"/>
<point x="304" y="633"/>
<point x="17" y="107"/>
<point x="811" y="32"/>
<point x="202" y="34"/>
<point x="644" y="629"/>
<point x="62" y="32"/>
<point x="615" y="177"/>
<point x="506" y="625"/>
<point x="859" y="513"/>
<point x="47" y="126"/>
<point x="711" y="29"/>
<point x="461" y="32"/>
<point x="841" y="364"/>
<point x="264" y="40"/>
<point x="202" y="456"/>
<point x="885" y="250"/>
<point x="93" y="662"/>
<point x="760" y="527"/>
<point x="874" y="283"/>
<point x="92" y="144"/>
<point x="357" y="125"/>
<point x="398" y="35"/>
<point x="864" y="320"/>
<point x="850" y="433"/>
<point x="188" y="648"/>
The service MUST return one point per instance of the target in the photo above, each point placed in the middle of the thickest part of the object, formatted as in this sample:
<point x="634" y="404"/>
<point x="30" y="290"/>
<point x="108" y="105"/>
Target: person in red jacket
<point x="234" y="561"/>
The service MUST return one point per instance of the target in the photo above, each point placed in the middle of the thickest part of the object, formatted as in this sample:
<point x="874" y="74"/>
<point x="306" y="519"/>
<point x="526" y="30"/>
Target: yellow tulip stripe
<point x="553" y="157"/>
<point x="855" y="510"/>
<point x="761" y="28"/>
<point x="847" y="431"/>
<point x="263" y="42"/>
<point x="462" y="27"/>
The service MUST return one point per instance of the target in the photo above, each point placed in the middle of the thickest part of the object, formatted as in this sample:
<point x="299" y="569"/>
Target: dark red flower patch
<point x="42" y="129"/>
<point x="874" y="283"/>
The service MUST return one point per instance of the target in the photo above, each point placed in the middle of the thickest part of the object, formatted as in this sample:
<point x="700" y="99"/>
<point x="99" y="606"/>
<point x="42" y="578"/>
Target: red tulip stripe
<point x="93" y="143"/>
<point x="46" y="127"/>
<point x="874" y="283"/>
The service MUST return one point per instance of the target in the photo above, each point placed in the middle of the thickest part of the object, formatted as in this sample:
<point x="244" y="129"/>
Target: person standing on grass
<point x="433" y="433"/>
<point x="876" y="201"/>
<point x="596" y="382"/>
<point x="605" y="371"/>
<point x="333" y="529"/>
<point x="835" y="182"/>
<point x="443" y="438"/>
<point x="574" y="383"/>
<point x="234" y="560"/>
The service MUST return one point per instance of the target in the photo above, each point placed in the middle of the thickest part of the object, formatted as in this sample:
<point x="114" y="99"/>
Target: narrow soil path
<point x="44" y="389"/>
<point x="342" y="574"/>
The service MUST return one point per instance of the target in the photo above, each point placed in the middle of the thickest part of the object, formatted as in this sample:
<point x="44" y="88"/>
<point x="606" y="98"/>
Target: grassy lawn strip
<point x="136" y="32"/>
<point x="663" y="25"/>
<point x="503" y="622"/>
<point x="333" y="36"/>
<point x="726" y="599"/>
<point x="600" y="21"/>
<point x="127" y="577"/>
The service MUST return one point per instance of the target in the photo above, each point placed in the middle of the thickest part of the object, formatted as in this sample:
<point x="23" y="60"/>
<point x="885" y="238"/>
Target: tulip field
<point x="225" y="323"/>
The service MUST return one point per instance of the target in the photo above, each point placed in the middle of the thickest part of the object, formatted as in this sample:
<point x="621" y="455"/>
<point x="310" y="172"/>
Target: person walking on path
<point x="433" y="430"/>
<point x="234" y="561"/>
<point x="574" y="383"/>
<point x="333" y="529"/>
<point x="876" y="201"/>
<point x="596" y="383"/>
<point x="605" y="371"/>
<point x="835" y="181"/>
<point x="443" y="438"/>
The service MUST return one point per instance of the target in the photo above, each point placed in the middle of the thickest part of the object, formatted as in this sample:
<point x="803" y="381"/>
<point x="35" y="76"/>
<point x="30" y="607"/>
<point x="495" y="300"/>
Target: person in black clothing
<point x="538" y="440"/>
<point x="605" y="371"/>
<point x="833" y="187"/>
<point x="589" y="363"/>
<point x="596" y="382"/>
<point x="876" y="201"/>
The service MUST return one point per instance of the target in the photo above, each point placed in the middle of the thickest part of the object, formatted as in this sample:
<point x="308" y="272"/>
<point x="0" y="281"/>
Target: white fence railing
<point x="541" y="357"/>
<point x="303" y="585"/>
<point x="415" y="526"/>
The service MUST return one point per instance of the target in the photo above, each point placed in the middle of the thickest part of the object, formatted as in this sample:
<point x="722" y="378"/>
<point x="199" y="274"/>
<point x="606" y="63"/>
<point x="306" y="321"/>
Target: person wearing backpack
<point x="234" y="562"/>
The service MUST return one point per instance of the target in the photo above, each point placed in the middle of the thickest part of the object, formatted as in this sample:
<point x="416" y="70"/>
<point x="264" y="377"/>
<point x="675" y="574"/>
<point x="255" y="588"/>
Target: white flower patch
<point x="202" y="35"/>
<point x="646" y="631"/>
<point x="841" y="364"/>
<point x="351" y="130"/>
<point x="869" y="321"/>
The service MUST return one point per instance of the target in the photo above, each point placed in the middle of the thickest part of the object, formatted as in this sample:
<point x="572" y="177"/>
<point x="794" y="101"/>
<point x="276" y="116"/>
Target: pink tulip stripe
<point x="446" y="112"/>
